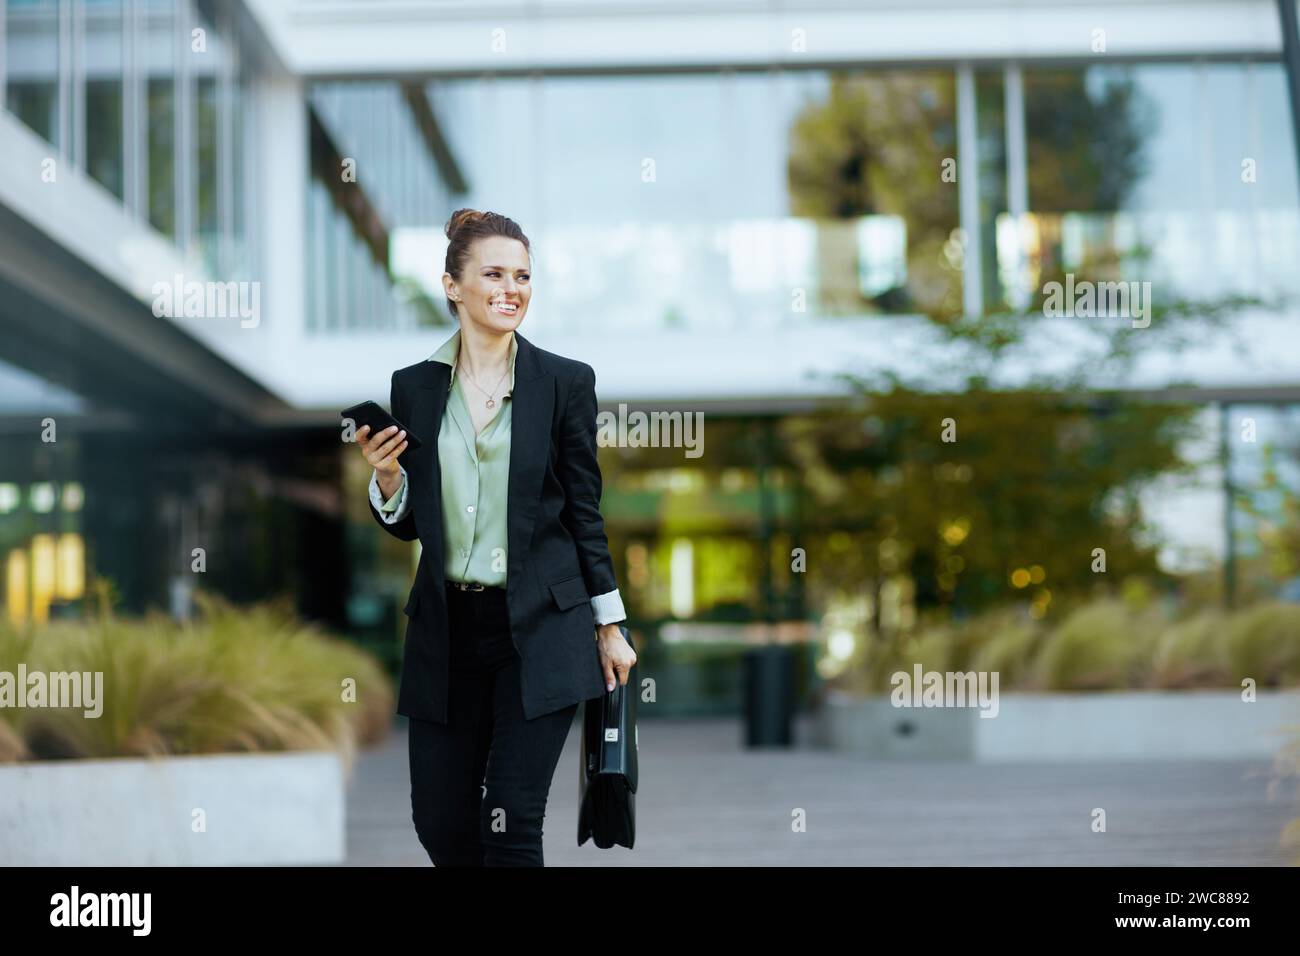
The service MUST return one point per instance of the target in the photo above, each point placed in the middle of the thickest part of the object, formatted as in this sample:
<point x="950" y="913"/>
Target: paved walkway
<point x="705" y="800"/>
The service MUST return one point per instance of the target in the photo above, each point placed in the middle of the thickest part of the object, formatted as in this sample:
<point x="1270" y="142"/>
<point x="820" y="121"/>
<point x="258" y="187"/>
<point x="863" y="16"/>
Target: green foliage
<point x="1099" y="646"/>
<point x="1106" y="644"/>
<point x="876" y="146"/>
<point x="886" y="496"/>
<point x="1086" y="151"/>
<point x="1005" y="640"/>
<point x="12" y="747"/>
<point x="1277" y="530"/>
<point x="1190" y="652"/>
<point x="934" y="650"/>
<point x="236" y="679"/>
<point x="1043" y="471"/>
<point x="1263" y="643"/>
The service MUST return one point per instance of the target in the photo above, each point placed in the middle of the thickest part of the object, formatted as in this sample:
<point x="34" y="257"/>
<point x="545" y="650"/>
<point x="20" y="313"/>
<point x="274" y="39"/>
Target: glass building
<point x="721" y="225"/>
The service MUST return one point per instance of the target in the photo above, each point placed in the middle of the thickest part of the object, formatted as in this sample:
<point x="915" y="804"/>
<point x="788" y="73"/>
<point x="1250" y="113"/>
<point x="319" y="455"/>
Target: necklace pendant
<point x="491" y="403"/>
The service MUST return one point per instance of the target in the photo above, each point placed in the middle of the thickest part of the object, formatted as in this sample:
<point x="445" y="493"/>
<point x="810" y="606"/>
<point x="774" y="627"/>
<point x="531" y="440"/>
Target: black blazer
<point x="557" y="555"/>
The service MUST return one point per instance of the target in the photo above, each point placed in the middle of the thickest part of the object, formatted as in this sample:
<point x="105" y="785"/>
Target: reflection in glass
<point x="32" y="65"/>
<point x="770" y="199"/>
<point x="160" y="91"/>
<point x="238" y="240"/>
<point x="874" y="145"/>
<point x="990" y="100"/>
<point x="103" y="68"/>
<point x="1136" y="173"/>
<point x="207" y="183"/>
<point x="206" y="66"/>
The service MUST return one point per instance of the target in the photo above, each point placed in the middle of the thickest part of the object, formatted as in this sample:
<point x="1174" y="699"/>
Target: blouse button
<point x="469" y="508"/>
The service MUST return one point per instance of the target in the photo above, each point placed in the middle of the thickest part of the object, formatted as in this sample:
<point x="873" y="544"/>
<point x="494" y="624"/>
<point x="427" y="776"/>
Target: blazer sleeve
<point x="405" y="528"/>
<point x="579" y="473"/>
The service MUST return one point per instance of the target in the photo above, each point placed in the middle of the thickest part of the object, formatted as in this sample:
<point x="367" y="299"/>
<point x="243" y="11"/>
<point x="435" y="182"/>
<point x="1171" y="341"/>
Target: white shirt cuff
<point x="608" y="608"/>
<point x="399" y="496"/>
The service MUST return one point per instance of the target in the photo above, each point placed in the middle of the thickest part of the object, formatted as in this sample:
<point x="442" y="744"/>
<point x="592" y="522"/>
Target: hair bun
<point x="459" y="218"/>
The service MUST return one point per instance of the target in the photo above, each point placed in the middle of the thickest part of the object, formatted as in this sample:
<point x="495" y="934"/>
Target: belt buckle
<point x="472" y="586"/>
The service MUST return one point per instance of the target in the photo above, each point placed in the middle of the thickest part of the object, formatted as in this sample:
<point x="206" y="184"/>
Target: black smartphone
<point x="368" y="413"/>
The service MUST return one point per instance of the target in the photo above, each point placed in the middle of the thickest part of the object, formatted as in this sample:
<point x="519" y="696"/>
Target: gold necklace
<point x="491" y="402"/>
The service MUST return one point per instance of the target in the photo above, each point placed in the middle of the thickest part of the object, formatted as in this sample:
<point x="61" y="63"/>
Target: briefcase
<point x="607" y="771"/>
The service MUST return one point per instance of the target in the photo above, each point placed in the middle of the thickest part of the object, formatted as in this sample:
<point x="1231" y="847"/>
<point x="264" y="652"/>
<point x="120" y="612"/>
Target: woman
<point x="513" y="617"/>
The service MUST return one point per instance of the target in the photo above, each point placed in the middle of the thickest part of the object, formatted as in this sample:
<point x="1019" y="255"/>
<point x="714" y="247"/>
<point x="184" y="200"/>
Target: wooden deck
<point x="704" y="800"/>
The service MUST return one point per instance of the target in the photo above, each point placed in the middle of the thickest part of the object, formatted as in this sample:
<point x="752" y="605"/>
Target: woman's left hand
<point x="616" y="654"/>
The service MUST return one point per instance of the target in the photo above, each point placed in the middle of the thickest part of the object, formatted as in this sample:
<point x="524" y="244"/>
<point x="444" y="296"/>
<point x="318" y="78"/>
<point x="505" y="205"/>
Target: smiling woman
<point x="489" y="270"/>
<point x="514" y="613"/>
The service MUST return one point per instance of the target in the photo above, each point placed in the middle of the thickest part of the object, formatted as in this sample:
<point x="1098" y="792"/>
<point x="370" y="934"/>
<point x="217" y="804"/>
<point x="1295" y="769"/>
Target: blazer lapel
<point x="532" y="405"/>
<point x="426" y="419"/>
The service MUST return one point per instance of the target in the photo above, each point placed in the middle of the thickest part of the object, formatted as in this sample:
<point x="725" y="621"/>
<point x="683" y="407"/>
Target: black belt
<point x="473" y="586"/>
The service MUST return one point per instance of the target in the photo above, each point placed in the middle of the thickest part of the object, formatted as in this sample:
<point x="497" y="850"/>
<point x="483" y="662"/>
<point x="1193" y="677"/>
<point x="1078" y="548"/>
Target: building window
<point x="103" y="69"/>
<point x="32" y="62"/>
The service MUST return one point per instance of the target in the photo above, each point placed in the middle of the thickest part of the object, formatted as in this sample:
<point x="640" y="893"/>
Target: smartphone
<point x="368" y="413"/>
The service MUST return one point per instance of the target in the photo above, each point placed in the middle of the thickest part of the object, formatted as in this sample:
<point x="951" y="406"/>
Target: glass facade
<point x="147" y="97"/>
<point x="826" y="216"/>
<point x="702" y="201"/>
<point x="95" y="496"/>
<point x="744" y="200"/>
<point x="101" y="49"/>
<point x="42" y="542"/>
<point x="35" y="60"/>
<point x="158" y="68"/>
<point x="1263" y="485"/>
<point x="749" y="200"/>
<point x="1182" y="174"/>
<point x="374" y="179"/>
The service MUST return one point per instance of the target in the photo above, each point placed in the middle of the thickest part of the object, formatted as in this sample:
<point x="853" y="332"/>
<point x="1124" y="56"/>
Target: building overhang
<point x="338" y="38"/>
<point x="77" y="281"/>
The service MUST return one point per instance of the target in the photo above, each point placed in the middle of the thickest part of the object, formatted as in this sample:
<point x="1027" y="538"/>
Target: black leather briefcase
<point x="607" y="772"/>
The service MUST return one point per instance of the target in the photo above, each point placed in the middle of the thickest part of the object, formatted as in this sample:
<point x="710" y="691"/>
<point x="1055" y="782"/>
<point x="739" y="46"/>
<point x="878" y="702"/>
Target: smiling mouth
<point x="505" y="308"/>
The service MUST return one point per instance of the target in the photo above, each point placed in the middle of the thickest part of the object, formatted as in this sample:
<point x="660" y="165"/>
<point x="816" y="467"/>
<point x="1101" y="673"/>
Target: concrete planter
<point x="1117" y="725"/>
<point x="259" y="809"/>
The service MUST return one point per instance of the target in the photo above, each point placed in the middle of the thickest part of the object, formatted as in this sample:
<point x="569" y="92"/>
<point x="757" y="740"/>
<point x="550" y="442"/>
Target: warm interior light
<point x="44" y="571"/>
<point x="71" y="566"/>
<point x="16" y="586"/>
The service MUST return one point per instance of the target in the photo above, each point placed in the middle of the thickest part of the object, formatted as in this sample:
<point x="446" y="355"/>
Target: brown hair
<point x="467" y="226"/>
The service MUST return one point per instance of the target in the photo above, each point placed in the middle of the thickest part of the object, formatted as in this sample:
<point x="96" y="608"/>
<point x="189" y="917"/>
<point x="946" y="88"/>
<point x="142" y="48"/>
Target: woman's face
<point x="497" y="284"/>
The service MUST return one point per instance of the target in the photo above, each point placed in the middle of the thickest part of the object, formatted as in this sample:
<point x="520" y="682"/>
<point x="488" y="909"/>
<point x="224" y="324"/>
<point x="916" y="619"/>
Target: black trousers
<point x="479" y="783"/>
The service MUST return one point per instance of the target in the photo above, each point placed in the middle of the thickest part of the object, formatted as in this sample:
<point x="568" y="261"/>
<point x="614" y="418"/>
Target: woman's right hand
<point x="381" y="453"/>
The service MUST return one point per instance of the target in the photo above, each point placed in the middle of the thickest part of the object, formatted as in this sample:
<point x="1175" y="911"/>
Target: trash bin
<point x="769" y="695"/>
